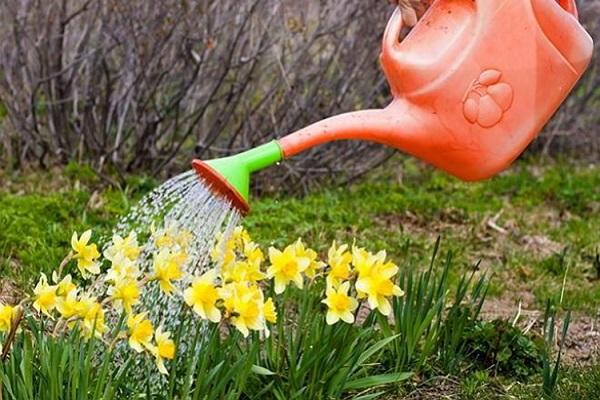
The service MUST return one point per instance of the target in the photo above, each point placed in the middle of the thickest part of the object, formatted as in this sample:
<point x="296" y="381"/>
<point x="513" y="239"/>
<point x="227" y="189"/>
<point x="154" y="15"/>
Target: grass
<point x="544" y="222"/>
<point x="540" y="211"/>
<point x="39" y="212"/>
<point x="576" y="383"/>
<point x="534" y="229"/>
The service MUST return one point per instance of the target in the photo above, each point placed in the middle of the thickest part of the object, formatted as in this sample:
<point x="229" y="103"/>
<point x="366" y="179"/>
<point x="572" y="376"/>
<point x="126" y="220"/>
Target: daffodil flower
<point x="223" y="253"/>
<point x="243" y="271"/>
<point x="183" y="239"/>
<point x="376" y="284"/>
<point x="253" y="254"/>
<point x="125" y="294"/>
<point x="240" y="236"/>
<point x="339" y="260"/>
<point x="164" y="349"/>
<point x="64" y="285"/>
<point x="128" y="247"/>
<point x="167" y="268"/>
<point x="340" y="306"/>
<point x="363" y="261"/>
<point x="92" y="314"/>
<point x="68" y="306"/>
<point x="140" y="332"/>
<point x="226" y="293"/>
<point x="7" y="314"/>
<point x="45" y="297"/>
<point x="286" y="267"/>
<point x="122" y="268"/>
<point x="202" y="296"/>
<point x="246" y="305"/>
<point x="304" y="252"/>
<point x="85" y="254"/>
<point x="168" y="236"/>
<point x="270" y="311"/>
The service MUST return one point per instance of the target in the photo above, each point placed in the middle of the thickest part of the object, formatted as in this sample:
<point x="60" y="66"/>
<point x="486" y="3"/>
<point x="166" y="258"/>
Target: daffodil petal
<point x="331" y="318"/>
<point x="347" y="317"/>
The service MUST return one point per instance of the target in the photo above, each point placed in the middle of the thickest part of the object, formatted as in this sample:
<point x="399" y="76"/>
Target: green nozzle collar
<point x="236" y="169"/>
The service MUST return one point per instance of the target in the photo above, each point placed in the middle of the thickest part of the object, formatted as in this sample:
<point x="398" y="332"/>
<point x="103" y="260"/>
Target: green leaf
<point x="377" y="380"/>
<point x="375" y="348"/>
<point x="261" y="370"/>
<point x="368" y="396"/>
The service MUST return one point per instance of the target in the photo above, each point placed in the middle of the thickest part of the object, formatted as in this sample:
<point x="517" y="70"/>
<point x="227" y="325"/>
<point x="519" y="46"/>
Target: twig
<point x="63" y="263"/>
<point x="514" y="323"/>
<point x="492" y="223"/>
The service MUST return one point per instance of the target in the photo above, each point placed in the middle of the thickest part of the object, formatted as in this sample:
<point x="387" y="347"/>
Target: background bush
<point x="147" y="85"/>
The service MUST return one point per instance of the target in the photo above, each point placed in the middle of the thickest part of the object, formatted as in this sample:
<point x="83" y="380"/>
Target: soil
<point x="9" y="294"/>
<point x="582" y="345"/>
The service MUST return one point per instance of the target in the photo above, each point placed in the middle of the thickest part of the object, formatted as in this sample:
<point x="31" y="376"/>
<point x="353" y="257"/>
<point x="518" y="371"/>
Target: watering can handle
<point x="569" y="6"/>
<point x="400" y="68"/>
<point x="391" y="36"/>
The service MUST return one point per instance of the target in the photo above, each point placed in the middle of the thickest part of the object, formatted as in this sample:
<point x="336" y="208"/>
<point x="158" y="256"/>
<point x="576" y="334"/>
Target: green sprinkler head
<point x="229" y="177"/>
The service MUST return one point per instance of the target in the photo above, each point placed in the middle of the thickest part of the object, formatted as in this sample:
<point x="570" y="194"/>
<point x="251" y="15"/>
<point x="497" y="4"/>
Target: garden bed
<point x="535" y="230"/>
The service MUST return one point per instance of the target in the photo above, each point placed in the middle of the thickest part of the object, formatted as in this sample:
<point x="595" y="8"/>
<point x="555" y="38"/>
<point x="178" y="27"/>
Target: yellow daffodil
<point x="85" y="254"/>
<point x="226" y="293"/>
<point x="223" y="253"/>
<point x="304" y="252"/>
<point x="92" y="314"/>
<point x="270" y="311"/>
<point x="125" y="294"/>
<point x="253" y="254"/>
<point x="202" y="296"/>
<point x="339" y="260"/>
<point x="363" y="261"/>
<point x="140" y="332"/>
<point x="68" y="306"/>
<point x="286" y="266"/>
<point x="122" y="268"/>
<point x="45" y="296"/>
<point x="86" y="302"/>
<point x="183" y="239"/>
<point x="242" y="271"/>
<point x="167" y="237"/>
<point x="240" y="236"/>
<point x="164" y="349"/>
<point x="128" y="247"/>
<point x="376" y="284"/>
<point x="246" y="305"/>
<point x="167" y="268"/>
<point x="339" y="304"/>
<point x="7" y="314"/>
<point x="64" y="285"/>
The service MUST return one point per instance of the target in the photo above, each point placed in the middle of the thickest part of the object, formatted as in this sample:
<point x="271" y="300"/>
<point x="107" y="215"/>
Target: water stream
<point x="184" y="203"/>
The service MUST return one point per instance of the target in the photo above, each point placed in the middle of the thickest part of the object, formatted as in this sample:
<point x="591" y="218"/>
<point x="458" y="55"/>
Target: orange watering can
<point x="473" y="84"/>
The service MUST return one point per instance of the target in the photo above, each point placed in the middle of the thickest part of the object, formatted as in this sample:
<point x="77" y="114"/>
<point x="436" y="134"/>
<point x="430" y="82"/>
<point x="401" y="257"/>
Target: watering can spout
<point x="392" y="126"/>
<point x="229" y="177"/>
<point x="473" y="84"/>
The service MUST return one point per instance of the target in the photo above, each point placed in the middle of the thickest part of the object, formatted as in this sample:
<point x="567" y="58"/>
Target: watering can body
<point x="473" y="83"/>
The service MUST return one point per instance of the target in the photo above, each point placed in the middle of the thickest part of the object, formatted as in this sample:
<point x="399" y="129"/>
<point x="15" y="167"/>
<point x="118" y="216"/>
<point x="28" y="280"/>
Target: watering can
<point x="473" y="83"/>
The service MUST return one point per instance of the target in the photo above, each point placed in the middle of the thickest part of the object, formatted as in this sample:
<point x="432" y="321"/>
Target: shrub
<point x="504" y="348"/>
<point x="129" y="87"/>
